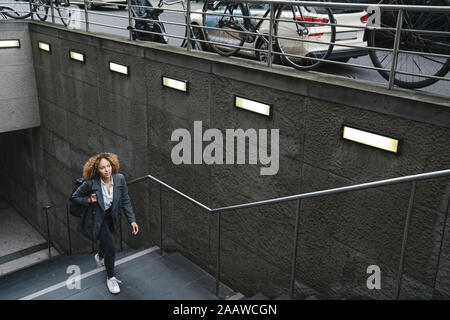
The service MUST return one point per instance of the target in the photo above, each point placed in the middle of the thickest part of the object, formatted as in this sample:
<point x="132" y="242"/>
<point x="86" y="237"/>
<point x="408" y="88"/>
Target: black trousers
<point x="107" y="249"/>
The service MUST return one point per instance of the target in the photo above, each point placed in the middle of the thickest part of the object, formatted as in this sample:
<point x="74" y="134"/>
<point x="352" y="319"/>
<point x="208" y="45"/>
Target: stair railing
<point x="297" y="197"/>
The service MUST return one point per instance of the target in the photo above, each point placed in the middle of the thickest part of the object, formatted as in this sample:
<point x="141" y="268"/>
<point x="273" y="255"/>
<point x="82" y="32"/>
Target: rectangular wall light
<point x="14" y="43"/>
<point x="118" y="68"/>
<point x="254" y="106"/>
<point x="370" y="139"/>
<point x="176" y="84"/>
<point x="44" y="46"/>
<point x="77" y="56"/>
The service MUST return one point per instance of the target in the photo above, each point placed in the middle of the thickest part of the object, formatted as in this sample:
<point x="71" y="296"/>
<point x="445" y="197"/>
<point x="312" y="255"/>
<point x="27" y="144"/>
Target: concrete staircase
<point x="20" y="244"/>
<point x="146" y="274"/>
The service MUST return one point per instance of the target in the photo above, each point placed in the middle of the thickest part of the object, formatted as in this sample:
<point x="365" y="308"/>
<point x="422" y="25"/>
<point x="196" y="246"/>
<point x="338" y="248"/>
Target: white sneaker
<point x="113" y="285"/>
<point x="100" y="263"/>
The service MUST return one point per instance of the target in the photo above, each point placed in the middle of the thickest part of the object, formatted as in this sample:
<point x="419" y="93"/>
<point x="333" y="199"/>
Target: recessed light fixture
<point x="44" y="46"/>
<point x="118" y="68"/>
<point x="77" y="56"/>
<point x="370" y="139"/>
<point x="176" y="84"/>
<point x="254" y="106"/>
<point x="12" y="43"/>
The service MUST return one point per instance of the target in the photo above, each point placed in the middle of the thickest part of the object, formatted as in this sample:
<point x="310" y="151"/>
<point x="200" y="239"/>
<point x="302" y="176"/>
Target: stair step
<point x="146" y="274"/>
<point x="36" y="257"/>
<point x="259" y="296"/>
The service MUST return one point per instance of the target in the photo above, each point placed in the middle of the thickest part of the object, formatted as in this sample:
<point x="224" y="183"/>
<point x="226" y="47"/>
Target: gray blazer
<point x="121" y="201"/>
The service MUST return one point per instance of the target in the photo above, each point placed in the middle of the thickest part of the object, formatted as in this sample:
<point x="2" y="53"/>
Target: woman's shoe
<point x="100" y="263"/>
<point x="113" y="285"/>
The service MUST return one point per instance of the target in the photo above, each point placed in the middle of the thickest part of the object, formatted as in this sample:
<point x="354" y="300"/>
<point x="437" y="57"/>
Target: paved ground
<point x="146" y="274"/>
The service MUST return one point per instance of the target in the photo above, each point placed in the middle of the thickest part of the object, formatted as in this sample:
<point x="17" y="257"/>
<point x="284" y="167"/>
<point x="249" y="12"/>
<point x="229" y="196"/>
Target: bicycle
<point x="41" y="8"/>
<point x="313" y="27"/>
<point x="7" y="12"/>
<point x="412" y="44"/>
<point x="19" y="9"/>
<point x="154" y="30"/>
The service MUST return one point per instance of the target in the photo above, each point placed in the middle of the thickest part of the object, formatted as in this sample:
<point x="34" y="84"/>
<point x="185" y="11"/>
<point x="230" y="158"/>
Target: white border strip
<point x="90" y="273"/>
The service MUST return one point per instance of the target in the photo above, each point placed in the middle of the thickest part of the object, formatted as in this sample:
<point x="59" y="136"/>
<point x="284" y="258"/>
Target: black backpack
<point x="76" y="209"/>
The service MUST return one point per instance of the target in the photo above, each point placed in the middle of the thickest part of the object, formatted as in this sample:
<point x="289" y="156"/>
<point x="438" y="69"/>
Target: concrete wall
<point x="86" y="109"/>
<point x="18" y="96"/>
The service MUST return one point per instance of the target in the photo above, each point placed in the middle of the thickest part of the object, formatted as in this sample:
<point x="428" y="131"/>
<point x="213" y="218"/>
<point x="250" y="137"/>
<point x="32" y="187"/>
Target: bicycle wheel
<point x="302" y="33"/>
<point x="413" y="42"/>
<point x="64" y="11"/>
<point x="40" y="7"/>
<point x="225" y="34"/>
<point x="20" y="9"/>
<point x="6" y="12"/>
<point x="196" y="34"/>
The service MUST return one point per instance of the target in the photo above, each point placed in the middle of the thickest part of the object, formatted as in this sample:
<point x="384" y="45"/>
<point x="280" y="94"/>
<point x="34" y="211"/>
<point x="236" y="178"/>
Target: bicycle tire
<point x="420" y="43"/>
<point x="225" y="36"/>
<point x="318" y="38"/>
<point x="21" y="10"/>
<point x="40" y="5"/>
<point x="64" y="12"/>
<point x="6" y="12"/>
<point x="196" y="33"/>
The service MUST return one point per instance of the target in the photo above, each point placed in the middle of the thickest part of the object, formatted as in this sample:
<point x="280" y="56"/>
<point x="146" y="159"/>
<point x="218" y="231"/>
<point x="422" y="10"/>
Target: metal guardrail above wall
<point x="409" y="45"/>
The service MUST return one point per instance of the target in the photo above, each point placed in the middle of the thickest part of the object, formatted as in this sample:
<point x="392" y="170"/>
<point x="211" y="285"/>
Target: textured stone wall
<point x="18" y="97"/>
<point x="86" y="109"/>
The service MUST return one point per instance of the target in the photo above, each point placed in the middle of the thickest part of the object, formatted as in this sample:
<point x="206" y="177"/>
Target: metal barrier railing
<point x="298" y="197"/>
<point x="389" y="70"/>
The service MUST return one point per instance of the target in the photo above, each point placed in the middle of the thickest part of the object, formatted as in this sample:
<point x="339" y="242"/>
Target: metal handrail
<point x="390" y="70"/>
<point x="298" y="198"/>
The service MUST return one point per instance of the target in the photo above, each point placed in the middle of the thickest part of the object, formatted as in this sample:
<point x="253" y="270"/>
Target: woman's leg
<point x="107" y="245"/>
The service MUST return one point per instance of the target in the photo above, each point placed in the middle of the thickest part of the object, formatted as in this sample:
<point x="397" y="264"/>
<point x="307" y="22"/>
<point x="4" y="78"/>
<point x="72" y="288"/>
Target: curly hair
<point x="90" y="169"/>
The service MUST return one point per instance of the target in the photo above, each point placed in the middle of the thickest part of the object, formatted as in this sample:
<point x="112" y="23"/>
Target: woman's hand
<point x="92" y="198"/>
<point x="135" y="228"/>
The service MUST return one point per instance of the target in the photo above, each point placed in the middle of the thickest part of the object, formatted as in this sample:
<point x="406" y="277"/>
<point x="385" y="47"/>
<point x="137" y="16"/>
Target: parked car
<point x="97" y="3"/>
<point x="344" y="35"/>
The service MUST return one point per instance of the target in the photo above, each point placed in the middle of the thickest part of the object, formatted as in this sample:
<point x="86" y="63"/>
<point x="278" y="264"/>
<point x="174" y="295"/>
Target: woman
<point x="106" y="191"/>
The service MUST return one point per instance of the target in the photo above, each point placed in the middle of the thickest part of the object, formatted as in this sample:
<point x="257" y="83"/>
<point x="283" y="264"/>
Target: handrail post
<point x="68" y="229"/>
<point x="294" y="251"/>
<point x="52" y="7"/>
<point x="86" y="16"/>
<point x="270" y="46"/>
<point x="218" y="254"/>
<point x="130" y="22"/>
<point x="120" y="230"/>
<point x="48" y="233"/>
<point x="405" y="239"/>
<point x="396" y="46"/>
<point x="188" y="25"/>
<point x="160" y="221"/>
